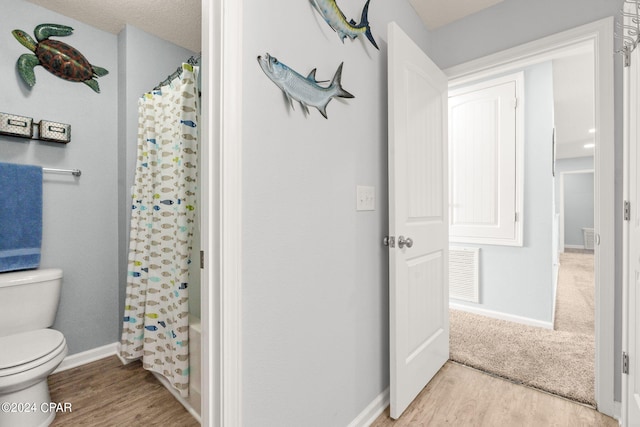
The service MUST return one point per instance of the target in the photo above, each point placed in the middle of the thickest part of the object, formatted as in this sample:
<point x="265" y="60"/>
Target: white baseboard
<point x="556" y="277"/>
<point x="88" y="356"/>
<point x="502" y="316"/>
<point x="373" y="411"/>
<point x="574" y="246"/>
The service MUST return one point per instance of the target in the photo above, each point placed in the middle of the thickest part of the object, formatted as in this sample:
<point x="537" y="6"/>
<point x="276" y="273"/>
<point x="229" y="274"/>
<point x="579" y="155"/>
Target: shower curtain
<point x="156" y="316"/>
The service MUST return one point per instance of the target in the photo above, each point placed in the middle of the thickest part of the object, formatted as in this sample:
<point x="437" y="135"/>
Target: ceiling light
<point x="590" y="145"/>
<point x="592" y="130"/>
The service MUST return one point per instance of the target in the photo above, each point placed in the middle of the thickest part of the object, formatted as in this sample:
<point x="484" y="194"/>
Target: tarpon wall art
<point x="305" y="90"/>
<point x="332" y="14"/>
<point x="56" y="57"/>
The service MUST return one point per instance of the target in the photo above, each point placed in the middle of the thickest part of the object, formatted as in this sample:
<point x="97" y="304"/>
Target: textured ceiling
<point x="438" y="13"/>
<point x="177" y="21"/>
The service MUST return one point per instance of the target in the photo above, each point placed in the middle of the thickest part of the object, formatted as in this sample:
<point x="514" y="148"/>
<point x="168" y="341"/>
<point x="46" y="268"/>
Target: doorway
<point x="547" y="49"/>
<point x="575" y="214"/>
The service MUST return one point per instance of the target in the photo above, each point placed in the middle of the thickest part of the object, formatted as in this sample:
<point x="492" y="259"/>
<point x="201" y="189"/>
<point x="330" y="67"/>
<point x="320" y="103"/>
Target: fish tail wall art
<point x="332" y="14"/>
<point x="305" y="90"/>
<point x="55" y="56"/>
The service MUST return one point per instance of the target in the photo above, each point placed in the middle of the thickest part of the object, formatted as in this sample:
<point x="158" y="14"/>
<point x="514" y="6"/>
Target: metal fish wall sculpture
<point x="305" y="90"/>
<point x="56" y="57"/>
<point x="332" y="14"/>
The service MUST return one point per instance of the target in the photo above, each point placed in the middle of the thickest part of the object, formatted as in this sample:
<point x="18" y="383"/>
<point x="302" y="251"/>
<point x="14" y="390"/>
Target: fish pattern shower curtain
<point x="156" y="317"/>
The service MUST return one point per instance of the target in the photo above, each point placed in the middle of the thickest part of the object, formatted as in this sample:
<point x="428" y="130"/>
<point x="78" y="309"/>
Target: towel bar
<point x="74" y="172"/>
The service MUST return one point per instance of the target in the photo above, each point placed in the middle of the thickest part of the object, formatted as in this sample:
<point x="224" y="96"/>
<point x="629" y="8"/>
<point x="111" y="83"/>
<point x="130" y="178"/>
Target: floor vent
<point x="463" y="274"/>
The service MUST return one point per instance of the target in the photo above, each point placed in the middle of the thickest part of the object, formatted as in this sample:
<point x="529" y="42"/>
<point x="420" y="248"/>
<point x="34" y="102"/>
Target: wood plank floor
<point x="107" y="393"/>
<point x="461" y="396"/>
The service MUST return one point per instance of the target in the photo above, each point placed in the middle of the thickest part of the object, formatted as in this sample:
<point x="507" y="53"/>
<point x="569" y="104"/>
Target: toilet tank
<point x="29" y="299"/>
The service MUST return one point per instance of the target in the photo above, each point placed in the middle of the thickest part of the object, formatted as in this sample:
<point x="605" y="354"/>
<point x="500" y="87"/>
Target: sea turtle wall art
<point x="55" y="56"/>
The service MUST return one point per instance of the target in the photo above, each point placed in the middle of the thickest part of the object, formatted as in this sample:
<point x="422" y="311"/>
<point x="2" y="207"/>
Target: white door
<point x="418" y="206"/>
<point x="631" y="292"/>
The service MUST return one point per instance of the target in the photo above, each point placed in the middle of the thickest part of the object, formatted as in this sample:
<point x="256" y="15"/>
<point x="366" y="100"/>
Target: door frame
<point x="221" y="212"/>
<point x="598" y="35"/>
<point x="630" y="171"/>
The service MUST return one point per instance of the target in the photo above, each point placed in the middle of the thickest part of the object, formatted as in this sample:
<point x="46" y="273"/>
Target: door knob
<point x="402" y="242"/>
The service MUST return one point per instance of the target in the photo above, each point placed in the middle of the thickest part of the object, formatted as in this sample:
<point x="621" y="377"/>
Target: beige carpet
<point x="559" y="361"/>
<point x="575" y="300"/>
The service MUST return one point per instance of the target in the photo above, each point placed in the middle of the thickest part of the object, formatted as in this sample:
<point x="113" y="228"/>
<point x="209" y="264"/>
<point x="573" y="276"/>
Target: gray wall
<point x="583" y="196"/>
<point x="569" y="165"/>
<point x="573" y="164"/>
<point x="144" y="61"/>
<point x="518" y="280"/>
<point x="315" y="276"/>
<point x="578" y="206"/>
<point x="86" y="219"/>
<point x="512" y="23"/>
<point x="80" y="214"/>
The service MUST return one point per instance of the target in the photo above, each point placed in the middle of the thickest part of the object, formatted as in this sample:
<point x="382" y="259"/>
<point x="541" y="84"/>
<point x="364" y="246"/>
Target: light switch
<point x="365" y="198"/>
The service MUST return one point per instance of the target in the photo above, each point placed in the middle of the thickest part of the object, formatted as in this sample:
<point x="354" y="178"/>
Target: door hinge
<point x="201" y="259"/>
<point x="389" y="241"/>
<point x="627" y="211"/>
<point x="516" y="216"/>
<point x="515" y="103"/>
<point x="625" y="363"/>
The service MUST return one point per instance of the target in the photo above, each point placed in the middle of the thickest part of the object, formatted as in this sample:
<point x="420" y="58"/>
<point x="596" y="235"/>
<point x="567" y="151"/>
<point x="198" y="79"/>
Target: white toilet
<point x="29" y="351"/>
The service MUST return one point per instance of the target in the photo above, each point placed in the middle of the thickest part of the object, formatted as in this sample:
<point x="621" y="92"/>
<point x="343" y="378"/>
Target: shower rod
<point x="193" y="60"/>
<point x="629" y="28"/>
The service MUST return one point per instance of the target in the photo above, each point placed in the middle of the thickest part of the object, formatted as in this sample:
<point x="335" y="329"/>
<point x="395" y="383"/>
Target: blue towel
<point x="20" y="216"/>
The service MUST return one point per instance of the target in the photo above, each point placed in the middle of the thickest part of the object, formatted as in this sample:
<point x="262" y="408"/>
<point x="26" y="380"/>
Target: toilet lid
<point x="26" y="347"/>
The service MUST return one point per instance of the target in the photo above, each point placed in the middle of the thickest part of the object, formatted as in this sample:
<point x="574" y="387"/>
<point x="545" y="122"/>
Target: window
<point x="485" y="162"/>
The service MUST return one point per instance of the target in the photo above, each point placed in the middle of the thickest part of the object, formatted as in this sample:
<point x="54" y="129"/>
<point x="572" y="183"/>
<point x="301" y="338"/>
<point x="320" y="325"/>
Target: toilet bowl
<point x="30" y="351"/>
<point x="23" y="376"/>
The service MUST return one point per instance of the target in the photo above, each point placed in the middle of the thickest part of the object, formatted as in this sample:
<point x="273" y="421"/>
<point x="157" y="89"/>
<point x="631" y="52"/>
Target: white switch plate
<point x="365" y="198"/>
